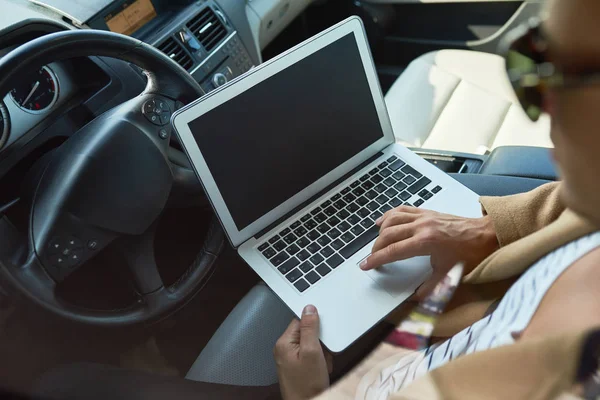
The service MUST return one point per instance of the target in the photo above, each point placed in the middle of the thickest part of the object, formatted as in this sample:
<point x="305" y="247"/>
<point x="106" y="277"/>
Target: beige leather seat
<point x="460" y="100"/>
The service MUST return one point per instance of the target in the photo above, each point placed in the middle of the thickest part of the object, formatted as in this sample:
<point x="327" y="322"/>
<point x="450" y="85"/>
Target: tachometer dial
<point x="4" y="124"/>
<point x="38" y="93"/>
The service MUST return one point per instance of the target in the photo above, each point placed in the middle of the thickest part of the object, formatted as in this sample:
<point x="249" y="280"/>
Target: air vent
<point x="207" y="28"/>
<point x="176" y="52"/>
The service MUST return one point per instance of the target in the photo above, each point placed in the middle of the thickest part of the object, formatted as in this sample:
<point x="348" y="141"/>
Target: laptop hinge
<point x="316" y="196"/>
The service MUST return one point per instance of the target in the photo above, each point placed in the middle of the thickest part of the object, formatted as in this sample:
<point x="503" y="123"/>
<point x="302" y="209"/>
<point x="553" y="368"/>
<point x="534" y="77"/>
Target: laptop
<point x="298" y="160"/>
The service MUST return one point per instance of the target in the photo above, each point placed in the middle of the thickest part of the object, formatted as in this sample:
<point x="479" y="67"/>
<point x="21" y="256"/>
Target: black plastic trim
<point x="472" y="163"/>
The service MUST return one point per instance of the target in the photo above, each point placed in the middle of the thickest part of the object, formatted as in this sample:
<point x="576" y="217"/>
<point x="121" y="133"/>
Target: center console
<point x="514" y="161"/>
<point x="453" y="162"/>
<point x="206" y="44"/>
<point x="197" y="34"/>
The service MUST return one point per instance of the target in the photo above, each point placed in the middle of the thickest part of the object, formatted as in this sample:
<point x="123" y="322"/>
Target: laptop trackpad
<point x="401" y="278"/>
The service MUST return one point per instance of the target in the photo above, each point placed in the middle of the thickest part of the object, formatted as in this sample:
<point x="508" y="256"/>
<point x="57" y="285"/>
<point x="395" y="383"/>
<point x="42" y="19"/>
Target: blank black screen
<point x="275" y="139"/>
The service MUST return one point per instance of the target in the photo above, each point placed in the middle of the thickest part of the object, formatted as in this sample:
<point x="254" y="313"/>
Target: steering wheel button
<point x="165" y="118"/>
<point x="163" y="134"/>
<point x="154" y="119"/>
<point x="74" y="259"/>
<point x="92" y="244"/>
<point x="55" y="246"/>
<point x="74" y="243"/>
<point x="58" y="261"/>
<point x="149" y="106"/>
<point x="163" y="105"/>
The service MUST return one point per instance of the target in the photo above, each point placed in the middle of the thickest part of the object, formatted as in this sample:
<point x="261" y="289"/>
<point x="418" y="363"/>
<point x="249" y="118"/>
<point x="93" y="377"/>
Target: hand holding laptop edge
<point x="303" y="367"/>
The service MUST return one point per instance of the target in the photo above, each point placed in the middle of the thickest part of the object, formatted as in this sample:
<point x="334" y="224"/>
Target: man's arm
<point x="520" y="215"/>
<point x="407" y="232"/>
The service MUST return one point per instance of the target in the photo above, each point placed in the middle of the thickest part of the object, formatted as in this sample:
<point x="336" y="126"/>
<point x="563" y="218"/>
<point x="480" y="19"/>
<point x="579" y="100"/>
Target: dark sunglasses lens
<point x="522" y="62"/>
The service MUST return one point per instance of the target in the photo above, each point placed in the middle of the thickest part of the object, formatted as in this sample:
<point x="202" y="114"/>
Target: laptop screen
<point x="283" y="134"/>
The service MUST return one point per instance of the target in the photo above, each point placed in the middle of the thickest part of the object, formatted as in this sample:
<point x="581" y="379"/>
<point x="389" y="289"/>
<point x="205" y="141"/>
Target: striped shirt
<point x="513" y="314"/>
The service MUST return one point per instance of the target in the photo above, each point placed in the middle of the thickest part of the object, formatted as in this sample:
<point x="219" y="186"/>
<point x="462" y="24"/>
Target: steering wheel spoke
<point x="35" y="274"/>
<point x="139" y="253"/>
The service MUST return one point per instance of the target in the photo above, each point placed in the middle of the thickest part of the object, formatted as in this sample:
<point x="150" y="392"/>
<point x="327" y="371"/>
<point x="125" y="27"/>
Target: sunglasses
<point x="531" y="71"/>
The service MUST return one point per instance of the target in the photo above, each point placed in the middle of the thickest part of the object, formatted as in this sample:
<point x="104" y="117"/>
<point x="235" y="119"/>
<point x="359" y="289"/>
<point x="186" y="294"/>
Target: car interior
<point x="113" y="266"/>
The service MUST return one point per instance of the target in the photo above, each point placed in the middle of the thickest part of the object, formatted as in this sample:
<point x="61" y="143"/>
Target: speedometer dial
<point x="4" y="124"/>
<point x="38" y="93"/>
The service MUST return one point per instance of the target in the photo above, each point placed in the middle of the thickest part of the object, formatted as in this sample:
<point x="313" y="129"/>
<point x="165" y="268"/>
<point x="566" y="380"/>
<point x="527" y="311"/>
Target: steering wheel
<point x="110" y="180"/>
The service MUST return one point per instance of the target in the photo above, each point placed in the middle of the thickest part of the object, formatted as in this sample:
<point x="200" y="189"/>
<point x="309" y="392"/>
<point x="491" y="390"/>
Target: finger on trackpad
<point x="401" y="278"/>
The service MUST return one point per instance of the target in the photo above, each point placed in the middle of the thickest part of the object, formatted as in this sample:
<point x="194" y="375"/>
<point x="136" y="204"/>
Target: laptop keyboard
<point x="323" y="238"/>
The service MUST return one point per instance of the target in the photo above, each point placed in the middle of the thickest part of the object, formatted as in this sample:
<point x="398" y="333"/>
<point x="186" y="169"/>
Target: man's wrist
<point x="489" y="233"/>
<point x="485" y="242"/>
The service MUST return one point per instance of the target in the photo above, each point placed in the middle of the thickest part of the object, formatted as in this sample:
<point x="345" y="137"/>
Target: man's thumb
<point x="309" y="329"/>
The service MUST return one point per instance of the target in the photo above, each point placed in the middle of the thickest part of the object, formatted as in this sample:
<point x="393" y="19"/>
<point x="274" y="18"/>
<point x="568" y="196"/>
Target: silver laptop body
<point x="298" y="159"/>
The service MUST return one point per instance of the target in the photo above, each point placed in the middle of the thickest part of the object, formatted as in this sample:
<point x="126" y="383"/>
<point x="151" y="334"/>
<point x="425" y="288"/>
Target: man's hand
<point x="302" y="365"/>
<point x="407" y="232"/>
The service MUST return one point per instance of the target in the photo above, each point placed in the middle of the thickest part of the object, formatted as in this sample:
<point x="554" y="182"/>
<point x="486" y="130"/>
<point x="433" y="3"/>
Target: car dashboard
<point x="198" y="36"/>
<point x="214" y="40"/>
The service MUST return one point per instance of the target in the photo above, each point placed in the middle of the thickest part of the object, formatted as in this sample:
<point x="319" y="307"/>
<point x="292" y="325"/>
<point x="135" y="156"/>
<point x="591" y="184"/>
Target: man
<point x="513" y="237"/>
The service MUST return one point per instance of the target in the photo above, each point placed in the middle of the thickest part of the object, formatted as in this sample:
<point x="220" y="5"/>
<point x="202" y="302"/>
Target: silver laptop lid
<point x="272" y="139"/>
